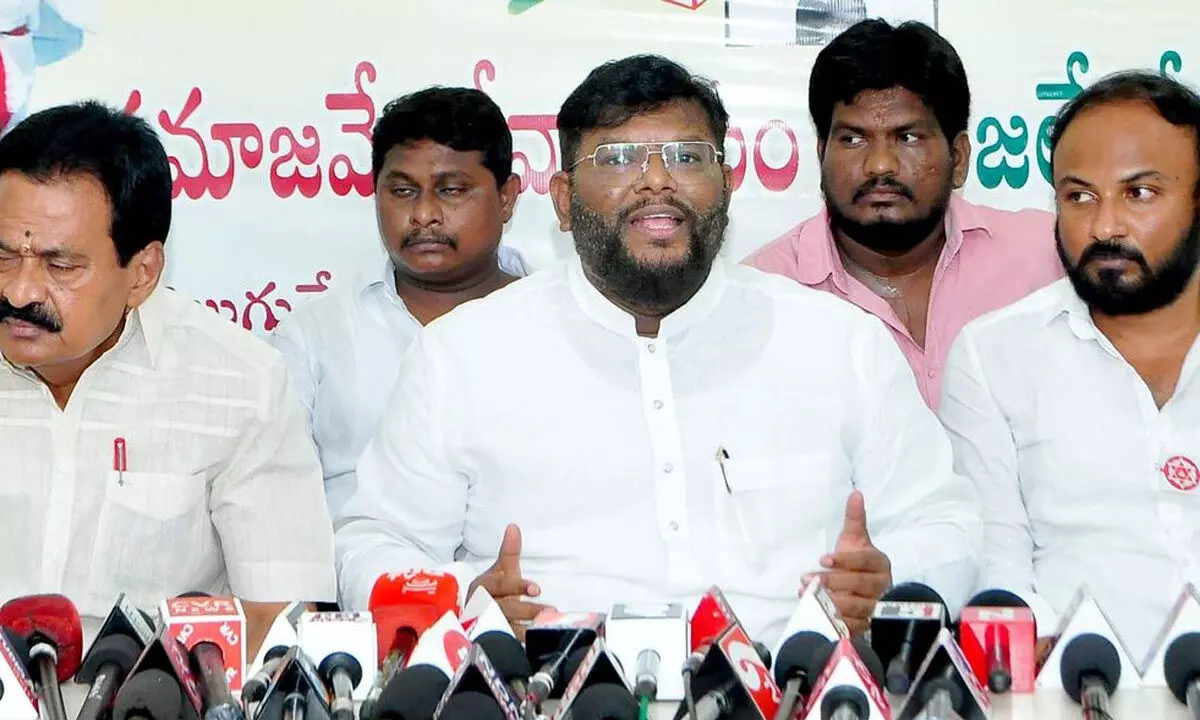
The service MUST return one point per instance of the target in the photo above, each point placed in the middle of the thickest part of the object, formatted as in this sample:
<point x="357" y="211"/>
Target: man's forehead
<point x="892" y="106"/>
<point x="429" y="155"/>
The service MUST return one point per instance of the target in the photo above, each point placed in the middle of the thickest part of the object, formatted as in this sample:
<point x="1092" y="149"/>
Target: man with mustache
<point x="146" y="446"/>
<point x="1076" y="411"/>
<point x="890" y="108"/>
<point x="677" y="425"/>
<point x="444" y="188"/>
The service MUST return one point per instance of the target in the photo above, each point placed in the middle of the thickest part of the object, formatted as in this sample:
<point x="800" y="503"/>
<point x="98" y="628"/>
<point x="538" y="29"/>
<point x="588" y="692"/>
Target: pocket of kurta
<point x="774" y="506"/>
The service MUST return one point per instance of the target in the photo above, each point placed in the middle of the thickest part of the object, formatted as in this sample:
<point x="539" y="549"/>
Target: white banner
<point x="266" y="106"/>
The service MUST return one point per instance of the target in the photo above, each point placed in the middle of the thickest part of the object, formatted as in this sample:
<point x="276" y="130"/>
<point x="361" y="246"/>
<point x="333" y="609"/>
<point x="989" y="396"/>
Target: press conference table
<point x="1143" y="704"/>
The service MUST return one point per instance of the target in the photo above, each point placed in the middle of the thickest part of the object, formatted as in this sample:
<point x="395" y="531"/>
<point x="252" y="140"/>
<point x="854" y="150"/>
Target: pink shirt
<point x="992" y="258"/>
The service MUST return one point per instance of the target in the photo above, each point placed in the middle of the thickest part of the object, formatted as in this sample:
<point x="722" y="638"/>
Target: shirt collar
<point x="818" y="258"/>
<point x="150" y="318"/>
<point x="1073" y="310"/>
<point x="616" y="319"/>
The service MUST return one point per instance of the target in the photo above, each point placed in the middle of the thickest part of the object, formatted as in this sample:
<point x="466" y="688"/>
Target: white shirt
<point x="607" y="457"/>
<point x="343" y="351"/>
<point x="222" y="489"/>
<point x="1067" y="447"/>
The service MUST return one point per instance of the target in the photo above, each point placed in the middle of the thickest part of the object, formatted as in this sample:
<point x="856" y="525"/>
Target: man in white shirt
<point x="682" y="421"/>
<point x="444" y="188"/>
<point x="1076" y="411"/>
<point x="148" y="447"/>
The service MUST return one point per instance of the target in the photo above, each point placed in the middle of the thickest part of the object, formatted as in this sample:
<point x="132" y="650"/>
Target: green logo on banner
<point x="516" y="7"/>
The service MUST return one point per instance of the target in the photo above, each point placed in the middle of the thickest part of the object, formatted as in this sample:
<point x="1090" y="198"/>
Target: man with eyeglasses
<point x="682" y="421"/>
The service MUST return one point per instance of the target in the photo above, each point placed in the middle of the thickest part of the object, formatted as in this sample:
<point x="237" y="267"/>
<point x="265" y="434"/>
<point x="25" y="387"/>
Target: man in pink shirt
<point x="890" y="106"/>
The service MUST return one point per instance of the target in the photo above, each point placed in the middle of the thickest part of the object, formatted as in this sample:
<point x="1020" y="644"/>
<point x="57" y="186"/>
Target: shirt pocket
<point x="773" y="508"/>
<point x="154" y="530"/>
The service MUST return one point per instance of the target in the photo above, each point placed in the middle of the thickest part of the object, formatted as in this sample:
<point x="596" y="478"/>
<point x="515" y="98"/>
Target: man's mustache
<point x="884" y="183"/>
<point x="1112" y="250"/>
<point x="35" y="314"/>
<point x="420" y="237"/>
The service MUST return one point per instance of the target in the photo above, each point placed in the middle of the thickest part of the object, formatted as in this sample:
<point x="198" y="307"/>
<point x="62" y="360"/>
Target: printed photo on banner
<point x="35" y="33"/>
<point x="813" y="22"/>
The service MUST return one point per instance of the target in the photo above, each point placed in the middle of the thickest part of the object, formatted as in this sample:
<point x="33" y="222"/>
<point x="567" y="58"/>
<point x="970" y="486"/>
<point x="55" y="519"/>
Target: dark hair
<point x="873" y="55"/>
<point x="1175" y="102"/>
<point x="617" y="90"/>
<point x="462" y="119"/>
<point x="121" y="151"/>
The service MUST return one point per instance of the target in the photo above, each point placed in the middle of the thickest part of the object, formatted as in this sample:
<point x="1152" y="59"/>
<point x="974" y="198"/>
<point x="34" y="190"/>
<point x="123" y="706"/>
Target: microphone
<point x="296" y="691"/>
<point x="1181" y="666"/>
<point x="212" y="630"/>
<point x="18" y="698"/>
<point x="509" y="660"/>
<point x="256" y="687"/>
<point x="1091" y="669"/>
<point x="549" y="639"/>
<point x="605" y="701"/>
<point x="149" y="695"/>
<point x="471" y="706"/>
<point x="280" y="636"/>
<point x="343" y="644"/>
<point x="847" y="676"/>
<point x="904" y="627"/>
<point x="796" y="669"/>
<point x="108" y="663"/>
<point x="413" y="694"/>
<point x="647" y="638"/>
<point x="733" y="678"/>
<point x="998" y="636"/>
<point x="50" y="625"/>
<point x="403" y="606"/>
<point x="712" y="618"/>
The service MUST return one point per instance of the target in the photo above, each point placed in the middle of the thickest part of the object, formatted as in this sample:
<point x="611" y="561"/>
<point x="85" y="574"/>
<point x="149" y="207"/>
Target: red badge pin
<point x="1182" y="473"/>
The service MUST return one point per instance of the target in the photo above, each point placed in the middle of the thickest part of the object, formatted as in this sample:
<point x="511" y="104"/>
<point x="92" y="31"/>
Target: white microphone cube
<point x="320" y="634"/>
<point x="663" y="628"/>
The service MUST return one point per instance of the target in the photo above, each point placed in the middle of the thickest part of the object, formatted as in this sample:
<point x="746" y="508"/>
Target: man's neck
<point x="923" y="257"/>
<point x="62" y="378"/>
<point x="428" y="301"/>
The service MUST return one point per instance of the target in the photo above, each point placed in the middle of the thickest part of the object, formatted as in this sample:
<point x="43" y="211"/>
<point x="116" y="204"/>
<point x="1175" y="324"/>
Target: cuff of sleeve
<point x="283" y="582"/>
<point x="1044" y="615"/>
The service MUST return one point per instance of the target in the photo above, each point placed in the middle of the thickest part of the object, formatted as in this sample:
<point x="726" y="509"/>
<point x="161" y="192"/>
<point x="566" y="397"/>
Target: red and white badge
<point x="1181" y="473"/>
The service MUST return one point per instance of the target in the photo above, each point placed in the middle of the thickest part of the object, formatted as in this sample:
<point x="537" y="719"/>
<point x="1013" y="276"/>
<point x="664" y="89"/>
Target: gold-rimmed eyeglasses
<point x="688" y="161"/>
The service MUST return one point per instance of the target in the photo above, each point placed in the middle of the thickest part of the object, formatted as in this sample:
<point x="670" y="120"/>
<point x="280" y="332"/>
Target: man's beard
<point x="1157" y="287"/>
<point x="888" y="237"/>
<point x="650" y="286"/>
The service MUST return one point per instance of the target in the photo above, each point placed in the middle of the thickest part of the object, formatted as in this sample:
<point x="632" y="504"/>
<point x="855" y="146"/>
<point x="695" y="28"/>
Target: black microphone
<point x="1091" y="669"/>
<point x="845" y="702"/>
<point x="1181" y="665"/>
<point x="109" y="661"/>
<point x="508" y="659"/>
<point x="794" y="671"/>
<point x="413" y="694"/>
<point x="149" y="695"/>
<point x="341" y="673"/>
<point x="722" y="700"/>
<point x="256" y="687"/>
<point x="604" y="701"/>
<point x="471" y="706"/>
<point x="548" y="643"/>
<point x="904" y="628"/>
<point x="944" y="695"/>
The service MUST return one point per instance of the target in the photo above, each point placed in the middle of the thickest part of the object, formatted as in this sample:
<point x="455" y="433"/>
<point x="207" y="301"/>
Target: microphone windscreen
<point x="997" y="598"/>
<point x="1089" y="654"/>
<point x="1181" y="665"/>
<point x="149" y="694"/>
<point x="506" y="655"/>
<point x="121" y="650"/>
<point x="867" y="654"/>
<point x="52" y="618"/>
<point x="913" y="592"/>
<point x="413" y="694"/>
<point x="604" y="701"/>
<point x="796" y="655"/>
<point x="471" y="706"/>
<point x="571" y="664"/>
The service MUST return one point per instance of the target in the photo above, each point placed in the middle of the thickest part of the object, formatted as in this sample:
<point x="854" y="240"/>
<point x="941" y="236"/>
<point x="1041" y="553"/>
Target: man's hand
<point x="506" y="584"/>
<point x="856" y="574"/>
